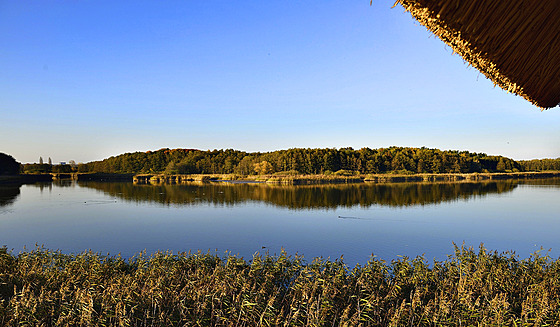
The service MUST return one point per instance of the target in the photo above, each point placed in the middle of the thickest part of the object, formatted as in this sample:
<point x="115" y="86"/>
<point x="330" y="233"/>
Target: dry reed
<point x="48" y="288"/>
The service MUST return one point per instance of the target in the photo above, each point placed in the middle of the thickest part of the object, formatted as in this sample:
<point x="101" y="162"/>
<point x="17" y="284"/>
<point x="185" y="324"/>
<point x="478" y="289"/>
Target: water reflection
<point x="8" y="195"/>
<point x="49" y="185"/>
<point x="331" y="220"/>
<point x="548" y="182"/>
<point x="303" y="197"/>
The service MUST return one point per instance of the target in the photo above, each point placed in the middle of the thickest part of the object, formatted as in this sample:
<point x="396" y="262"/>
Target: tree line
<point x="9" y="166"/>
<point x="540" y="164"/>
<point x="42" y="168"/>
<point x="46" y="168"/>
<point x="403" y="160"/>
<point x="346" y="161"/>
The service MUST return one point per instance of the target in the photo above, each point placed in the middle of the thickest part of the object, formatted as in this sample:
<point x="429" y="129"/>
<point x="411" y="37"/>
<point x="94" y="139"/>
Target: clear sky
<point x="85" y="80"/>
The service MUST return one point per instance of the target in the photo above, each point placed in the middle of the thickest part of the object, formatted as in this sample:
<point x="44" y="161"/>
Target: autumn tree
<point x="263" y="168"/>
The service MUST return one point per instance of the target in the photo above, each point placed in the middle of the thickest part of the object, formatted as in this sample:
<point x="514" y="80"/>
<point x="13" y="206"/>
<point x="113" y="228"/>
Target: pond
<point x="355" y="221"/>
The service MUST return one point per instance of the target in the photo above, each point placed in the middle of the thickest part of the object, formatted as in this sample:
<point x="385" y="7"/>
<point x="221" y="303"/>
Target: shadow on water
<point x="49" y="185"/>
<point x="8" y="195"/>
<point x="547" y="182"/>
<point x="304" y="197"/>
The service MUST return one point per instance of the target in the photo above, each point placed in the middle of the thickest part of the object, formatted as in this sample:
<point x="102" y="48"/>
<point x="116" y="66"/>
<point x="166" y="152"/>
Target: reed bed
<point x="313" y="179"/>
<point x="351" y="177"/>
<point x="483" y="288"/>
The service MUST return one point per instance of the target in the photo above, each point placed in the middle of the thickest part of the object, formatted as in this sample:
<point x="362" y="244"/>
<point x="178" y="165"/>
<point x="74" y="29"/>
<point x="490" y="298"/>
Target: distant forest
<point x="402" y="160"/>
<point x="344" y="161"/>
<point x="540" y="164"/>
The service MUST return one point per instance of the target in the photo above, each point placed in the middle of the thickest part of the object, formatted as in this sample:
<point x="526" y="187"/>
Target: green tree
<point x="172" y="168"/>
<point x="37" y="168"/>
<point x="61" y="169"/>
<point x="8" y="165"/>
<point x="245" y="166"/>
<point x="501" y="166"/>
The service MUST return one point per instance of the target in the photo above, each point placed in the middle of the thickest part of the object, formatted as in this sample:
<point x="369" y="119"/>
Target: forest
<point x="343" y="161"/>
<point x="540" y="164"/>
<point x="401" y="160"/>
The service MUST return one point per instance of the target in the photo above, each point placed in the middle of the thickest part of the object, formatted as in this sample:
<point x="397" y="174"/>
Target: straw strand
<point x="514" y="44"/>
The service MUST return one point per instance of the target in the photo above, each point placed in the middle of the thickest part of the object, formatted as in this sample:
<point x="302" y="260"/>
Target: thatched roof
<point x="514" y="43"/>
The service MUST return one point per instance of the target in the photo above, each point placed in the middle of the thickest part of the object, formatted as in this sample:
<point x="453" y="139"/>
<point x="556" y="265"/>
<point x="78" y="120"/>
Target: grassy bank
<point x="298" y="179"/>
<point x="482" y="288"/>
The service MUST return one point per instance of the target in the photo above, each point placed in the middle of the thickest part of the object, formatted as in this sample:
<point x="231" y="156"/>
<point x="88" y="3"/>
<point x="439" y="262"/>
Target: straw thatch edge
<point x="460" y="45"/>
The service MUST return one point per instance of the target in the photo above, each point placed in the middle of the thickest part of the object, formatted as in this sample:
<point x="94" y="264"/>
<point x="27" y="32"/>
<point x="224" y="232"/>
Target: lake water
<point x="355" y="220"/>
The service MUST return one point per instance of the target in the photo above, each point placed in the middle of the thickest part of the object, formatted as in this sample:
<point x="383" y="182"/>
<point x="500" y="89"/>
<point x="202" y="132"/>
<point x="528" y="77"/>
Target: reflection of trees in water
<point x="59" y="183"/>
<point x="49" y="185"/>
<point x="548" y="182"/>
<point x="304" y="197"/>
<point x="8" y="195"/>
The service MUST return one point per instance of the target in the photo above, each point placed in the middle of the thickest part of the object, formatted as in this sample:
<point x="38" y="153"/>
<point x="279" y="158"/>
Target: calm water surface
<point x="386" y="220"/>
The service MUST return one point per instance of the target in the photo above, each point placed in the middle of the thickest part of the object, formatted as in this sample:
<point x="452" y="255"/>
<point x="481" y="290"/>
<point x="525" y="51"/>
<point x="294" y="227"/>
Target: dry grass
<point x="46" y="288"/>
<point x="302" y="179"/>
<point x="513" y="43"/>
<point x="313" y="179"/>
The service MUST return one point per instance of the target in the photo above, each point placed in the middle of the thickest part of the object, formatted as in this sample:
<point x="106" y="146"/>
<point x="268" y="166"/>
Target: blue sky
<point x="85" y="80"/>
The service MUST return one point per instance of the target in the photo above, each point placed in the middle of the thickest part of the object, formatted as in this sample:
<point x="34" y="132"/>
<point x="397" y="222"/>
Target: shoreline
<point x="50" y="177"/>
<point x="330" y="179"/>
<point x="272" y="179"/>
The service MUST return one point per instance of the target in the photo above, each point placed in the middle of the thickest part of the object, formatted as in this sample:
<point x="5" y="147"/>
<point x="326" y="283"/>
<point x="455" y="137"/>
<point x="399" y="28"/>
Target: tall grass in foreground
<point x="46" y="288"/>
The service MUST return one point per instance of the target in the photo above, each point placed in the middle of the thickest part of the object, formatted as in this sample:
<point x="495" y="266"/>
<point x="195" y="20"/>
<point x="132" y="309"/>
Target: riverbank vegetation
<point x="482" y="288"/>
